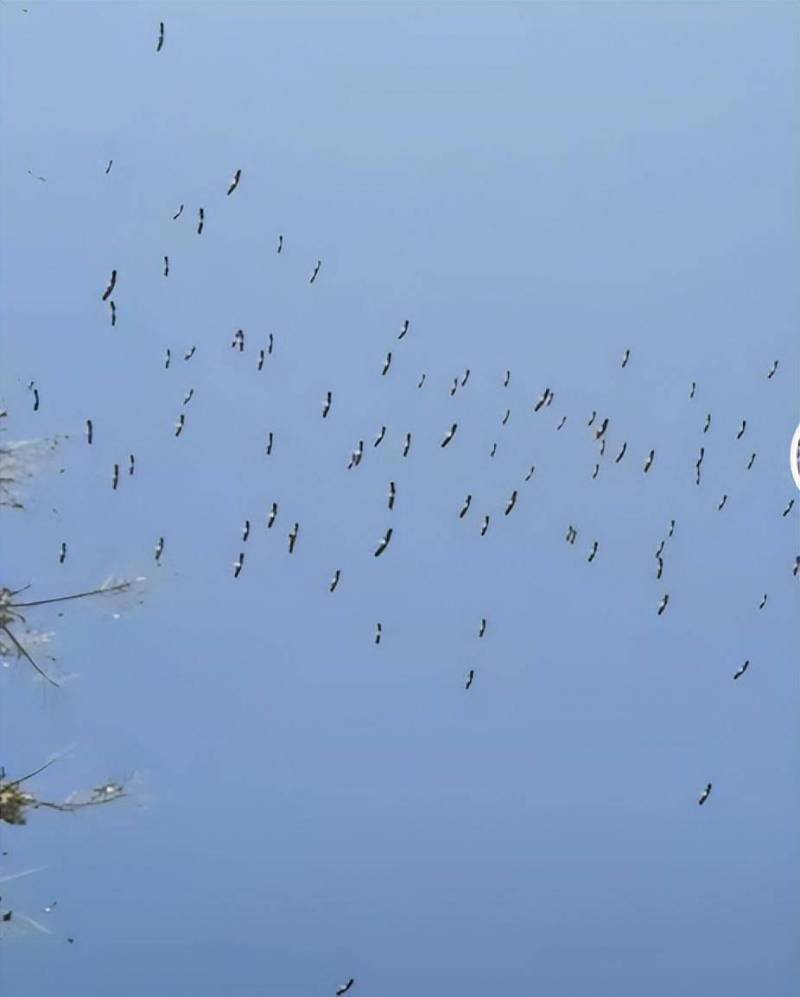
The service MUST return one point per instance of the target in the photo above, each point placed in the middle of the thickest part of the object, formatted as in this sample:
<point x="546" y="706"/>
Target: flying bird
<point x="190" y="354"/>
<point x="572" y="534"/>
<point x="378" y="631"/>
<point x="167" y="359"/>
<point x="506" y="417"/>
<point x="751" y="461"/>
<point x="484" y="525"/>
<point x="596" y="470"/>
<point x="327" y="406"/>
<point x="741" y="670"/>
<point x="316" y="271"/>
<point x="465" y="378"/>
<point x="705" y="794"/>
<point x="269" y="443"/>
<point x="380" y="436"/>
<point x="113" y="310"/>
<point x="599" y="433"/>
<point x="788" y="508"/>
<point x="507" y="380"/>
<point x="449" y="434"/>
<point x="482" y="627"/>
<point x="293" y="537"/>
<point x="693" y="389"/>
<point x="660" y="550"/>
<point x="356" y="456"/>
<point x="35" y="177"/>
<point x="563" y="420"/>
<point x="602" y="447"/>
<point x="115" y="477"/>
<point x="270" y="344"/>
<point x="772" y="371"/>
<point x="663" y="604"/>
<point x="392" y="494"/>
<point x="593" y="553"/>
<point x="238" y="340"/>
<point x="273" y="515"/>
<point x="62" y="554"/>
<point x="493" y="450"/>
<point x="178" y="213"/>
<point x="421" y="381"/>
<point x="723" y="500"/>
<point x="89" y="431"/>
<point x="796" y="568"/>
<point x="387" y="363"/>
<point x="454" y="387"/>
<point x="345" y="987"/>
<point x="625" y="357"/>
<point x="108" y="168"/>
<point x="660" y="569"/>
<point x="384" y="543"/>
<point x="465" y="507"/>
<point x="180" y="424"/>
<point x="511" y="502"/>
<point x="166" y="266"/>
<point x="470" y="678"/>
<point x="201" y="217"/>
<point x="404" y="329"/>
<point x="112" y="282"/>
<point x="740" y="434"/>
<point x="593" y="417"/>
<point x="234" y="182"/>
<point x="529" y="475"/>
<point x="406" y="444"/>
<point x="246" y="530"/>
<point x="335" y="580"/>
<point x="131" y="463"/>
<point x="542" y="400"/>
<point x="159" y="549"/>
<point x="261" y="356"/>
<point x="621" y="454"/>
<point x="649" y="462"/>
<point x="671" y="527"/>
<point x="238" y="564"/>
<point x="188" y="396"/>
<point x="160" y="44"/>
<point x="708" y="423"/>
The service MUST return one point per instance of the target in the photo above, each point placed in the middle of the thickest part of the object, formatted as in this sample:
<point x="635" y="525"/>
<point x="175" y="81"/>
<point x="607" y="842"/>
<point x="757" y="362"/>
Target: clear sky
<point x="537" y="188"/>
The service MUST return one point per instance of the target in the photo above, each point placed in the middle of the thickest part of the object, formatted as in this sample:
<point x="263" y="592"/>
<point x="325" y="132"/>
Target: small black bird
<point x="246" y="530"/>
<point x="751" y="461"/>
<point x="723" y="500"/>
<point x="110" y="286"/>
<point x="449" y="434"/>
<point x="660" y="550"/>
<point x="741" y="670"/>
<point x="593" y="553"/>
<point x="649" y="462"/>
<point x="160" y="44"/>
<point x="378" y="632"/>
<point x="671" y="527"/>
<point x="506" y="417"/>
<point x="131" y="463"/>
<point x="470" y="678"/>
<point x="238" y="565"/>
<point x="7" y="916"/>
<point x="238" y="340"/>
<point x="465" y="507"/>
<point x="113" y="309"/>
<point x="178" y="213"/>
<point x="621" y="454"/>
<point x="392" y="494"/>
<point x="356" y="456"/>
<point x="115" y="477"/>
<point x="598" y="433"/>
<point x="89" y="431"/>
<point x="593" y="417"/>
<point x="708" y="423"/>
<point x="693" y="389"/>
<point x="482" y="627"/>
<point x="602" y="447"/>
<point x="270" y="344"/>
<point x="327" y="406"/>
<point x="380" y="436"/>
<point x="62" y="554"/>
<point x="465" y="378"/>
<point x="511" y="502"/>
<point x="421" y="381"/>
<point x="563" y="420"/>
<point x="108" y="168"/>
<point x="159" y="550"/>
<point x="772" y="372"/>
<point x="345" y="987"/>
<point x="485" y="525"/>
<point x="201" y="217"/>
<point x="529" y="475"/>
<point x="660" y="569"/>
<point x="180" y="424"/>
<point x="167" y="359"/>
<point x="705" y="794"/>
<point x="269" y="444"/>
<point x="384" y="543"/>
<point x="234" y="182"/>
<point x="335" y="580"/>
<point x="596" y="470"/>
<point x="404" y="330"/>
<point x="313" y="276"/>
<point x="166" y="266"/>
<point x="740" y="434"/>
<point x="625" y="358"/>
<point x="273" y="515"/>
<point x="788" y="508"/>
<point x="663" y="604"/>
<point x="542" y="400"/>
<point x="261" y="357"/>
<point x="406" y="444"/>
<point x="454" y="387"/>
<point x="763" y="602"/>
<point x="188" y="396"/>
<point x="493" y="450"/>
<point x="293" y="537"/>
<point x="190" y="354"/>
<point x="507" y="379"/>
<point x="387" y="363"/>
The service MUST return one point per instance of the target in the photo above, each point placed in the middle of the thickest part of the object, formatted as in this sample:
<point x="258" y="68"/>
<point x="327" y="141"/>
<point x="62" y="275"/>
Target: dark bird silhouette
<point x="705" y="794"/>
<point x="131" y="464"/>
<point x="563" y="420"/>
<point x="384" y="543"/>
<point x="660" y="569"/>
<point x="482" y="627"/>
<point x="269" y="443"/>
<point x="180" y="424"/>
<point x="751" y="461"/>
<point x="380" y="436"/>
<point x="506" y="417"/>
<point x="7" y="916"/>
<point x="593" y="417"/>
<point x="465" y="378"/>
<point x="313" y="276"/>
<point x="740" y="434"/>
<point x="692" y="389"/>
<point x="335" y="580"/>
<point x="796" y="568"/>
<point x="404" y="330"/>
<point x="449" y="434"/>
<point x="270" y="344"/>
<point x="763" y="601"/>
<point x="159" y="549"/>
<point x="178" y="213"/>
<point x="660" y="550"/>
<point x="115" y="477"/>
<point x="378" y="632"/>
<point x="238" y="564"/>
<point x="167" y="359"/>
<point x="593" y="553"/>
<point x="280" y="243"/>
<point x="273" y="515"/>
<point x="35" y="177"/>
<point x="112" y="283"/>
<point x="470" y="678"/>
<point x="62" y="554"/>
<point x="602" y="447"/>
<point x="454" y="387"/>
<point x="327" y="406"/>
<point x="89" y="431"/>
<point x="484" y="525"/>
<point x="113" y="309"/>
<point x="465" y="507"/>
<point x="166" y="266"/>
<point x="621" y="454"/>
<point x="345" y="987"/>
<point x="356" y="456"/>
<point x="599" y="433"/>
<point x="188" y="396"/>
<point x="663" y="604"/>
<point x="406" y="444"/>
<point x="723" y="500"/>
<point x="772" y="371"/>
<point x="511" y="502"/>
<point x="391" y="495"/>
<point x="293" y="537"/>
<point x="572" y="534"/>
<point x="421" y="381"/>
<point x="625" y="358"/>
<point x="201" y="218"/>
<point x="507" y="380"/>
<point x="245" y="530"/>
<point x="741" y="670"/>
<point x="160" y="44"/>
<point x="649" y="462"/>
<point x="261" y="357"/>
<point x="238" y="340"/>
<point x="788" y="508"/>
<point x="493" y="451"/>
<point x="190" y="354"/>
<point x="108" y="168"/>
<point x="543" y="399"/>
<point x="529" y="475"/>
<point x="708" y="423"/>
<point x="234" y="182"/>
<point x="671" y="527"/>
<point x="386" y="363"/>
<point x="596" y="470"/>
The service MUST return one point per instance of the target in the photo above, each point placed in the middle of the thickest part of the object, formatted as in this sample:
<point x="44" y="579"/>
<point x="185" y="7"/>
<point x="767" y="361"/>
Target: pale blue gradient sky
<point x="537" y="187"/>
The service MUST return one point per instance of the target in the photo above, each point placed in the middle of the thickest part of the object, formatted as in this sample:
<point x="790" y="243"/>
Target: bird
<point x="131" y="463"/>
<point x="345" y="987"/>
<point x="384" y="542"/>
<point x="563" y="420"/>
<point x="112" y="282"/>
<point x="763" y="601"/>
<point x="465" y="378"/>
<point x="649" y="462"/>
<point x="35" y="177"/>
<point x="270" y="344"/>
<point x="421" y="381"/>
<point x="201" y="217"/>
<point x="602" y="447"/>
<point x="280" y="243"/>
<point x="663" y="604"/>
<point x="741" y="670"/>
<point x="470" y="678"/>
<point x="261" y="356"/>
<point x="113" y="309"/>
<point x="660" y="569"/>
<point x="238" y="565"/>
<point x="404" y="330"/>
<point x="406" y="444"/>
<point x="108" y="168"/>
<point x="708" y="423"/>
<point x="166" y="266"/>
<point x="178" y="213"/>
<point x="391" y="495"/>
<point x="465" y="507"/>
<point x="387" y="363"/>
<point x="740" y="434"/>
<point x="482" y="627"/>
<point x="89" y="431"/>
<point x="788" y="508"/>
<point x="234" y="182"/>
<point x="238" y="340"/>
<point x="313" y="276"/>
<point x="167" y="359"/>
<point x="593" y="553"/>
<point x="511" y="502"/>
<point x="356" y="456"/>
<point x="772" y="371"/>
<point x="507" y="380"/>
<point x="378" y="632"/>
<point x="188" y="396"/>
<point x="293" y="537"/>
<point x="722" y="502"/>
<point x="705" y="794"/>
<point x="190" y="354"/>
<point x="692" y="389"/>
<point x="493" y="451"/>
<point x="269" y="443"/>
<point x="335" y="580"/>
<point x="660" y="550"/>
<point x="327" y="406"/>
<point x="115" y="477"/>
<point x="454" y="387"/>
<point x="596" y="470"/>
<point x="796" y="568"/>
<point x="50" y="907"/>
<point x="506" y="417"/>
<point x="621" y="454"/>
<point x="485" y="525"/>
<point x="245" y="530"/>
<point x="625" y="357"/>
<point x="671" y="527"/>
<point x="542" y="400"/>
<point x="449" y="434"/>
<point x="529" y="475"/>
<point x="593" y="417"/>
<point x="159" y="549"/>
<point x="62" y="554"/>
<point x="180" y="424"/>
<point x="273" y="515"/>
<point x="380" y="436"/>
<point x="599" y="433"/>
<point x="160" y="44"/>
<point x="7" y="916"/>
<point x="751" y="461"/>
<point x="572" y="534"/>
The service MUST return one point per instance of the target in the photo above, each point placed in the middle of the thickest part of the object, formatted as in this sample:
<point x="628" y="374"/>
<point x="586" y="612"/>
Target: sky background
<point x="537" y="188"/>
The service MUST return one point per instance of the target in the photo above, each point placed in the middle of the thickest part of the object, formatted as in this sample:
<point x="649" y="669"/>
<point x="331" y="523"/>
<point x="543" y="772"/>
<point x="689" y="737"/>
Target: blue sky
<point x="537" y="188"/>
